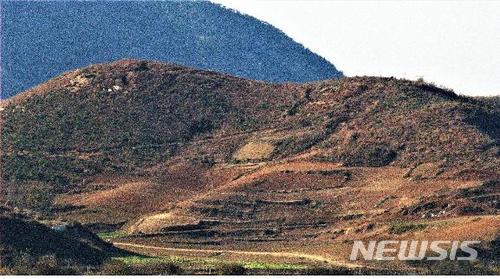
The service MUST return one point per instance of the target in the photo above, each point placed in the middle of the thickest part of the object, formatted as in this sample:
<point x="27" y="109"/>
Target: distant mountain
<point x="42" y="39"/>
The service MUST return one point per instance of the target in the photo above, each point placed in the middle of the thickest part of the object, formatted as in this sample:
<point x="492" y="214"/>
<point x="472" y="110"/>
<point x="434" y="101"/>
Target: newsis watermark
<point x="414" y="250"/>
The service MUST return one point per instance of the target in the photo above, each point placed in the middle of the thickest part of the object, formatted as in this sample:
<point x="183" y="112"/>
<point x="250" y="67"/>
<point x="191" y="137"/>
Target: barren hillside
<point x="196" y="158"/>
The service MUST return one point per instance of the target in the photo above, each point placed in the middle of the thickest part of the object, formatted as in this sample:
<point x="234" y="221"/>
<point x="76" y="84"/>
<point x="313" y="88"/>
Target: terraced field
<point x="164" y="160"/>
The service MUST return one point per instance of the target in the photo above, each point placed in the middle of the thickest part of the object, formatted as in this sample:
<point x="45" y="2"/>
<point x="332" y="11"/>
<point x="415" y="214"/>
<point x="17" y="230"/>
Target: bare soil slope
<point x="195" y="158"/>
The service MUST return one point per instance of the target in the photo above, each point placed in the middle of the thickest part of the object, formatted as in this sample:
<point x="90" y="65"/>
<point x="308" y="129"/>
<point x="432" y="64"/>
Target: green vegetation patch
<point x="207" y="263"/>
<point x="273" y="266"/>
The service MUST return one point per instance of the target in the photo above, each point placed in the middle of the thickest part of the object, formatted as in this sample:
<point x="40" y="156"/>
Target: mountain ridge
<point x="186" y="103"/>
<point x="49" y="38"/>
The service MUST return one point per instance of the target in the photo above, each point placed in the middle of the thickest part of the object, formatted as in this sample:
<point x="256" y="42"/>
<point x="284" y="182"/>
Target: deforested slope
<point x="130" y="114"/>
<point x="193" y="159"/>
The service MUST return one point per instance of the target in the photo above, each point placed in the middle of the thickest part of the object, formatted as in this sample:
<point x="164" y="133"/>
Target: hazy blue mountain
<point x="43" y="39"/>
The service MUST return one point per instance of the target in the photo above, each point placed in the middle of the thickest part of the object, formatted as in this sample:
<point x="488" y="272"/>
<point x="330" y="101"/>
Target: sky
<point x="454" y="44"/>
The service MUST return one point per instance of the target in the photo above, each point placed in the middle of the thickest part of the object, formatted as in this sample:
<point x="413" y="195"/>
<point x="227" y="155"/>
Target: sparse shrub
<point x="263" y="106"/>
<point x="25" y="264"/>
<point x="231" y="269"/>
<point x="160" y="269"/>
<point x="384" y="200"/>
<point x="50" y="265"/>
<point x="295" y="144"/>
<point x="22" y="264"/>
<point x="370" y="155"/>
<point x="116" y="267"/>
<point x="204" y="160"/>
<point x="305" y="123"/>
<point x="449" y="267"/>
<point x="46" y="265"/>
<point x="33" y="195"/>
<point x="400" y="228"/>
<point x="200" y="127"/>
<point x="40" y="197"/>
<point x="328" y="271"/>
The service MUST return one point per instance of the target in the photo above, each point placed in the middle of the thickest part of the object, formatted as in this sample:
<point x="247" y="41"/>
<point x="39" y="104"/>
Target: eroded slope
<point x="201" y="158"/>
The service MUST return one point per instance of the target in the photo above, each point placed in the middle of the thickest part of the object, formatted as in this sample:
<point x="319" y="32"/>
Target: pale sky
<point x="455" y="44"/>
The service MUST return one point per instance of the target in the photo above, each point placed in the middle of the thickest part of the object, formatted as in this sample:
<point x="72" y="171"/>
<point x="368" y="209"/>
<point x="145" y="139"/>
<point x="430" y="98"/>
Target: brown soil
<point x="190" y="159"/>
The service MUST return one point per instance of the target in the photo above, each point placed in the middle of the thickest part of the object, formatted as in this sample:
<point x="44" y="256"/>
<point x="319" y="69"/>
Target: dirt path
<point x="297" y="255"/>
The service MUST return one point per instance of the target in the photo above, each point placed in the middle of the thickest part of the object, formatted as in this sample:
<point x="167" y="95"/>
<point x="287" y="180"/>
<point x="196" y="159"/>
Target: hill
<point x="192" y="159"/>
<point x="130" y="114"/>
<point x="44" y="39"/>
<point x="20" y="236"/>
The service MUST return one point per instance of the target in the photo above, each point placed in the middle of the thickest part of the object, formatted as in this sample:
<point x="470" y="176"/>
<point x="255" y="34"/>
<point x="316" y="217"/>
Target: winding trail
<point x="239" y="252"/>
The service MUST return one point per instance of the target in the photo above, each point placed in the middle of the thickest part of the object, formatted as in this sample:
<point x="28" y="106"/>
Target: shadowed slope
<point x="21" y="236"/>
